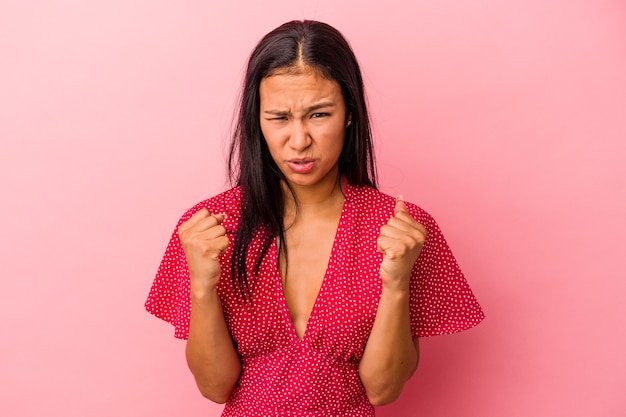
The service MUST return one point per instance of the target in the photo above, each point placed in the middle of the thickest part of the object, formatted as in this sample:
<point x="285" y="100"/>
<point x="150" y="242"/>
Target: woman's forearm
<point x="391" y="354"/>
<point x="210" y="351"/>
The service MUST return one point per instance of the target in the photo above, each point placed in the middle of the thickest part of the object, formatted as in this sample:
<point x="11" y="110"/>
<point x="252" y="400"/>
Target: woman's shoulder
<point x="227" y="202"/>
<point x="378" y="203"/>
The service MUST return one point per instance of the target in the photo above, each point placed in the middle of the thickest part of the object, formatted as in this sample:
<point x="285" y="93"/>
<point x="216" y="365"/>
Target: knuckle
<point x="183" y="236"/>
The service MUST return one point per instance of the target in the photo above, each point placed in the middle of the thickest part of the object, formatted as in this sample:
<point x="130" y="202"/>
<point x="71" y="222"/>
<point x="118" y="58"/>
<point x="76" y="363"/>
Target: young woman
<point x="303" y="290"/>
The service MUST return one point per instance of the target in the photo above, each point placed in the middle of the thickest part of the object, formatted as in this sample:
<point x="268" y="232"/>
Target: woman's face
<point x="303" y="120"/>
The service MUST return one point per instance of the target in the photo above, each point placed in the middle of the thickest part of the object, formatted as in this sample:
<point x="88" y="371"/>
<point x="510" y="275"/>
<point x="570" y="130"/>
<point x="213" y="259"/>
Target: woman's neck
<point x="323" y="200"/>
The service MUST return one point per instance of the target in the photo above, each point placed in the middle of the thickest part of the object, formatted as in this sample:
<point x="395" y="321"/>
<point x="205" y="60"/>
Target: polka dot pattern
<point x="317" y="375"/>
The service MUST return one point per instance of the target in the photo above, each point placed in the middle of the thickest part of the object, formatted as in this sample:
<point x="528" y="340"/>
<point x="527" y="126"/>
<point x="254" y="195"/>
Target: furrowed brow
<point x="322" y="105"/>
<point x="279" y="113"/>
<point x="318" y="106"/>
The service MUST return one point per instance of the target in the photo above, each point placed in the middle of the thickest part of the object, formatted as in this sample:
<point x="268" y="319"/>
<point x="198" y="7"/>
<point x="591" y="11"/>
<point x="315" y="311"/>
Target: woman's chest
<point x="340" y="318"/>
<point x="310" y="248"/>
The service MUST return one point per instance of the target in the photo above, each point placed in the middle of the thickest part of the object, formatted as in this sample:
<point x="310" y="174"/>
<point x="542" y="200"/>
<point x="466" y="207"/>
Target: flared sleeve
<point x="441" y="300"/>
<point x="169" y="298"/>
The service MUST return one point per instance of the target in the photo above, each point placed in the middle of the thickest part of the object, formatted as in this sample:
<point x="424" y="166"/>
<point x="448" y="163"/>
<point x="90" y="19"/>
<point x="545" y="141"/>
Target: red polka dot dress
<point x="317" y="375"/>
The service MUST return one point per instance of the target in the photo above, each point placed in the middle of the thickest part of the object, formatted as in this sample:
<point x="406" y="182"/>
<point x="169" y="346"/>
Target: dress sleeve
<point x="441" y="301"/>
<point x="169" y="298"/>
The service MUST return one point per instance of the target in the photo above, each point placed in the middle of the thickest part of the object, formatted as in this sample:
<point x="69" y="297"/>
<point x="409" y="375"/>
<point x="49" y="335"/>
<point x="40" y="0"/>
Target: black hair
<point x="295" y="44"/>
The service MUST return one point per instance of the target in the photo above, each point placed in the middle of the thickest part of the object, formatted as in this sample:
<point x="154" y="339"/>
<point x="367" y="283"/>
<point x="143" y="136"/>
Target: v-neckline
<point x="319" y="297"/>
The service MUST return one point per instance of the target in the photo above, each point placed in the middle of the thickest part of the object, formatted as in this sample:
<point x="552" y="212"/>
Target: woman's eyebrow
<point x="322" y="105"/>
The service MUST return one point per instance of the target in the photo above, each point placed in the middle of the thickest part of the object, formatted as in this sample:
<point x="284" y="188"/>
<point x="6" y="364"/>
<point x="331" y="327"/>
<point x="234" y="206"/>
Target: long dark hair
<point x="318" y="46"/>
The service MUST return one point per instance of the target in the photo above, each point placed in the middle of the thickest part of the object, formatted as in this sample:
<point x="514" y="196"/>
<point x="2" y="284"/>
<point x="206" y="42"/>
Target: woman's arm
<point x="210" y="352"/>
<point x="391" y="353"/>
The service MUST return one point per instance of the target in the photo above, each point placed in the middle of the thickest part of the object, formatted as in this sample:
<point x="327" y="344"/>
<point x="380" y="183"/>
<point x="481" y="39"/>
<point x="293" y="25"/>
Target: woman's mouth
<point x="301" y="166"/>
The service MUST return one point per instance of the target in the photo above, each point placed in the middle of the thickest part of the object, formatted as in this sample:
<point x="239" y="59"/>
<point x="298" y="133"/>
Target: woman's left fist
<point x="400" y="242"/>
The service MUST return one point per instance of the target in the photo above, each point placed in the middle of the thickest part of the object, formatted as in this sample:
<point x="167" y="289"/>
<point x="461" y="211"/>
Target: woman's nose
<point x="299" y="138"/>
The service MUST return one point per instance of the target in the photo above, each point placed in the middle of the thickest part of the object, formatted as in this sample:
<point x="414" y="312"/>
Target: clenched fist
<point x="203" y="238"/>
<point x="400" y="242"/>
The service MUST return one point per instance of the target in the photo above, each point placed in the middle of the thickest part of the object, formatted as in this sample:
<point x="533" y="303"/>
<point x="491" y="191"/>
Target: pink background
<point x="505" y="119"/>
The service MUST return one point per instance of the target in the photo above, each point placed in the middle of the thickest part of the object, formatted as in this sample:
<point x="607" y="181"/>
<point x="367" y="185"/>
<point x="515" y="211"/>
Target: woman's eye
<point x="317" y="115"/>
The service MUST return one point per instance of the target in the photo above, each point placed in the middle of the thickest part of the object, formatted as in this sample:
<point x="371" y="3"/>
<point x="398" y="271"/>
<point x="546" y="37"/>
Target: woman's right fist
<point x="203" y="238"/>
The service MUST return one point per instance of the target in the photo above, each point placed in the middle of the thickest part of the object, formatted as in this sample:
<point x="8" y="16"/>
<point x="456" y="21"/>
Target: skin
<point x="303" y="120"/>
<point x="210" y="352"/>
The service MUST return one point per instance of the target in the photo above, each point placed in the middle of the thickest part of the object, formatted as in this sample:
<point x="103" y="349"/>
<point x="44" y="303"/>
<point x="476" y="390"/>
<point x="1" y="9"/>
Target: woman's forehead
<point x="300" y="68"/>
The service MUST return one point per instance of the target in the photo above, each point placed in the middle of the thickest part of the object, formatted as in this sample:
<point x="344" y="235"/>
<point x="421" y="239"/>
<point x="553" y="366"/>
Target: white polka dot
<point x="318" y="375"/>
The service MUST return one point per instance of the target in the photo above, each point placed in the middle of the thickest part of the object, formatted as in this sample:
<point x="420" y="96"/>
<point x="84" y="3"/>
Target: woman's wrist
<point x="203" y="293"/>
<point x="397" y="286"/>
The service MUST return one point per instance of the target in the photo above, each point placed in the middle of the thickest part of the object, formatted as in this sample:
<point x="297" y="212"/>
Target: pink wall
<point x="506" y="120"/>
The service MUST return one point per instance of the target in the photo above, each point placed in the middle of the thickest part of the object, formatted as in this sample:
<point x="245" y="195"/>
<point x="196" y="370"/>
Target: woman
<point x="303" y="290"/>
